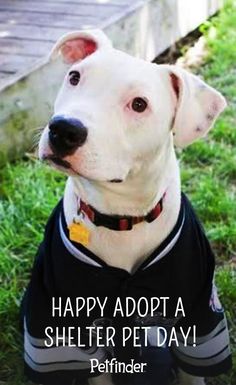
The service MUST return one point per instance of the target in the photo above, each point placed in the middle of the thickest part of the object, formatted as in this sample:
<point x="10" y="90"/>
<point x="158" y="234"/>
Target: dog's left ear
<point x="197" y="106"/>
<point x="77" y="45"/>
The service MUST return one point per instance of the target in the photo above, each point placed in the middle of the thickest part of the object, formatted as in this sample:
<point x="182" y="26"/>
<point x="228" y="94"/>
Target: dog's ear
<point x="77" y="45"/>
<point x="197" y="106"/>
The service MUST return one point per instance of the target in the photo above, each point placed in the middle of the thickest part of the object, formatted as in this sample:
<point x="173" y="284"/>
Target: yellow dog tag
<point x="79" y="233"/>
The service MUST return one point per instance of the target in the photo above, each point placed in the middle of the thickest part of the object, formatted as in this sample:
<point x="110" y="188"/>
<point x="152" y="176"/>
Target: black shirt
<point x="182" y="266"/>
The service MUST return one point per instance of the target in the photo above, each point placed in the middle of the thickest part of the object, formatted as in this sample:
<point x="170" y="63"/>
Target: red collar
<point x="117" y="222"/>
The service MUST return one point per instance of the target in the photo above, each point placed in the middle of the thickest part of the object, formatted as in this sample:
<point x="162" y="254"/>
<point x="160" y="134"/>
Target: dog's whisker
<point x="36" y="137"/>
<point x="39" y="128"/>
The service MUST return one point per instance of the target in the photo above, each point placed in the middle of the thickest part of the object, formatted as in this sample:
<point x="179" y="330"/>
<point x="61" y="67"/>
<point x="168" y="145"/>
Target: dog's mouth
<point x="116" y="180"/>
<point x="64" y="164"/>
<point x="59" y="162"/>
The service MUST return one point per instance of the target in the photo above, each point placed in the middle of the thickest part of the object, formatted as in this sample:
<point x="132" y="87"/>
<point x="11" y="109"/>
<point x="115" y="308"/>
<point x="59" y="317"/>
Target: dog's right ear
<point x="77" y="45"/>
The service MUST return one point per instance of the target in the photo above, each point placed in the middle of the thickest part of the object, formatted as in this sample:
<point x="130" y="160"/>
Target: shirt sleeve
<point x="207" y="353"/>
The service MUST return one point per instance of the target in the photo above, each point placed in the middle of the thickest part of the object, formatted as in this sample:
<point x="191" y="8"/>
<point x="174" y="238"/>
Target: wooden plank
<point x="15" y="63"/>
<point x="25" y="47"/>
<point x="143" y="28"/>
<point x="4" y="78"/>
<point x="23" y="104"/>
<point x="91" y="2"/>
<point x="48" y="20"/>
<point x="32" y="32"/>
<point x="6" y="74"/>
<point x="60" y="8"/>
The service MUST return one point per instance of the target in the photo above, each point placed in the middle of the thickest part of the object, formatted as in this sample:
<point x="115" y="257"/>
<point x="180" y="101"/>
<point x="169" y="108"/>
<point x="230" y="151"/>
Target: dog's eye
<point x="74" y="78"/>
<point x="139" y="105"/>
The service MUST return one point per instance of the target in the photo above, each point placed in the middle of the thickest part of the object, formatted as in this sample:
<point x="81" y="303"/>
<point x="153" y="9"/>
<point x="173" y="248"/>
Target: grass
<point x="209" y="166"/>
<point x="29" y="191"/>
<point x="28" y="194"/>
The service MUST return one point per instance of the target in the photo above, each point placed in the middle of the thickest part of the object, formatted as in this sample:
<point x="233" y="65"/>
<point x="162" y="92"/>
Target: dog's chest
<point x="127" y="249"/>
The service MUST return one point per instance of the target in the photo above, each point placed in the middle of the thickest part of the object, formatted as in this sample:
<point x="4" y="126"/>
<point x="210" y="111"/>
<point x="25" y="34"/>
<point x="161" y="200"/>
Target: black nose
<point x="66" y="135"/>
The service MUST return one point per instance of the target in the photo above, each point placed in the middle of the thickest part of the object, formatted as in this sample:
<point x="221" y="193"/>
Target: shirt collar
<point x="85" y="255"/>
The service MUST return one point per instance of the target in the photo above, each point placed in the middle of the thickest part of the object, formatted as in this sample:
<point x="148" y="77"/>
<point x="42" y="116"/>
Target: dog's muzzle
<point x="66" y="135"/>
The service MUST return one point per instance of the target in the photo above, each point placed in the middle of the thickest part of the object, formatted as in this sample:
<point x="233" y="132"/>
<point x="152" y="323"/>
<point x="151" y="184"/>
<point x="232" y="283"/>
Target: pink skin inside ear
<point x="77" y="49"/>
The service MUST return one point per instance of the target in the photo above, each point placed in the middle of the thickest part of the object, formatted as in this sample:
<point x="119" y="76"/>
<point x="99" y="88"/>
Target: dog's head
<point x="115" y="111"/>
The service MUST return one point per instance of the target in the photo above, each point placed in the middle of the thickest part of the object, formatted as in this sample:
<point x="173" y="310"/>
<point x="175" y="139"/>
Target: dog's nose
<point x="66" y="135"/>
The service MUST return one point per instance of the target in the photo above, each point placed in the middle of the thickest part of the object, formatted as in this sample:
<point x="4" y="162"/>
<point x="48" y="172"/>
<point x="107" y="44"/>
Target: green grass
<point x="209" y="166"/>
<point x="29" y="191"/>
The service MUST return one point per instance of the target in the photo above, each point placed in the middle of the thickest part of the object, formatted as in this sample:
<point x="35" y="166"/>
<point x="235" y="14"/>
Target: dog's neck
<point x="138" y="194"/>
<point x="134" y="197"/>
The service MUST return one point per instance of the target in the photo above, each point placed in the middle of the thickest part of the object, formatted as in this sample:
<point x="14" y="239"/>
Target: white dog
<point x="115" y="123"/>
